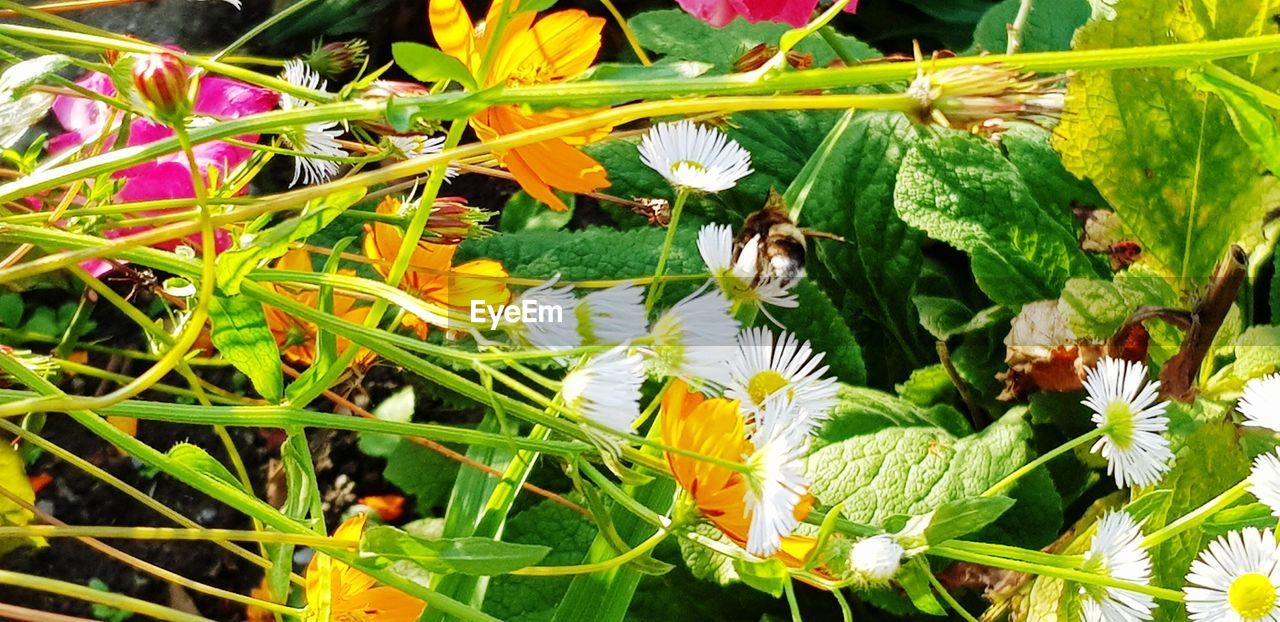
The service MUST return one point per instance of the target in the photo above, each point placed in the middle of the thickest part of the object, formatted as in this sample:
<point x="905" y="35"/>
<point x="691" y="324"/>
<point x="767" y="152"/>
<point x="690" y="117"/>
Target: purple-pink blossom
<point x="718" y="13"/>
<point x="167" y="177"/>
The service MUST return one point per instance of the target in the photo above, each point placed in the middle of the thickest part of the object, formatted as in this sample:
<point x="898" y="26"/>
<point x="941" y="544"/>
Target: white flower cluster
<point x="779" y="380"/>
<point x="317" y="141"/>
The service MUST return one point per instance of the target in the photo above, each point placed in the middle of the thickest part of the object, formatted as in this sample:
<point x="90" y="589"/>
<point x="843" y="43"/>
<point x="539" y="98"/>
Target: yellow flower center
<point x="1120" y="424"/>
<point x="1252" y="596"/>
<point x="764" y="384"/>
<point x="697" y="166"/>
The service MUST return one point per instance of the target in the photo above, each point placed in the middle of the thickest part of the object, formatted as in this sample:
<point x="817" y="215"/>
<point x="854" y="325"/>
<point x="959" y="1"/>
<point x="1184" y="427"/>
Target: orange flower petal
<point x="565" y="43"/>
<point x="452" y="27"/>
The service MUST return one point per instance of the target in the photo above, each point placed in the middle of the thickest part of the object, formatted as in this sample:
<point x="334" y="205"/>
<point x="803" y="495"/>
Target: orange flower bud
<point x="162" y="82"/>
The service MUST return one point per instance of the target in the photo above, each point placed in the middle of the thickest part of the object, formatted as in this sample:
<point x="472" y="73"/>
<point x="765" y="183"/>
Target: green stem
<point x="948" y="598"/>
<point x="88" y="594"/>
<point x="1013" y="477"/>
<point x="1077" y="576"/>
<point x="655" y="290"/>
<point x="233" y="496"/>
<point x="1018" y="26"/>
<point x="842" y="50"/>
<point x="603" y="566"/>
<point x="168" y="533"/>
<point x="1197" y="516"/>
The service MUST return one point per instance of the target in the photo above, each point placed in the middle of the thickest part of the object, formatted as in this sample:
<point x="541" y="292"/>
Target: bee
<point x="778" y="245"/>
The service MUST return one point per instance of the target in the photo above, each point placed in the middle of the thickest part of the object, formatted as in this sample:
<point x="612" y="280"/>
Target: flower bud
<point x="452" y="221"/>
<point x="336" y="58"/>
<point x="162" y="82"/>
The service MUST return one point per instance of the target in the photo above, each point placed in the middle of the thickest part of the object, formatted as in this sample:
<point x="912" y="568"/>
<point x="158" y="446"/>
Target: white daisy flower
<point x="776" y="482"/>
<point x="315" y="139"/>
<point x="1116" y="552"/>
<point x="548" y="335"/>
<point x="694" y="157"/>
<point x="1132" y="422"/>
<point x="1264" y="481"/>
<point x="1260" y="403"/>
<point x="613" y="316"/>
<point x="876" y="560"/>
<point x="1236" y="579"/>
<point x="740" y="278"/>
<point x="420" y="146"/>
<point x="694" y="339"/>
<point x="764" y="366"/>
<point x="606" y="389"/>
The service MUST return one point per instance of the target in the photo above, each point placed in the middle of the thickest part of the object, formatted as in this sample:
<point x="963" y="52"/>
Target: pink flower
<point x="169" y="176"/>
<point x="719" y="13"/>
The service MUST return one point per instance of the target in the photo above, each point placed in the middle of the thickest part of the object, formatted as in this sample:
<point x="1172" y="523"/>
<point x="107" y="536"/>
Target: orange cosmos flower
<point x="350" y="595"/>
<point x="297" y="338"/>
<point x="530" y="51"/>
<point x="432" y="275"/>
<point x="715" y="428"/>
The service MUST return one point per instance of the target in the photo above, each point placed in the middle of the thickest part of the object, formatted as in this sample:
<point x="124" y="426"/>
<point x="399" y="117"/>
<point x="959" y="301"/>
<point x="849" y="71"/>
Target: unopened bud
<point x="452" y="221"/>
<point x="162" y="82"/>
<point x="387" y="89"/>
<point x="983" y="97"/>
<point x="336" y="58"/>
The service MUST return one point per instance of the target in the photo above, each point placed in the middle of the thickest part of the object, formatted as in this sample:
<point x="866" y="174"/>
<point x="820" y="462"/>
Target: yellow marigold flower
<point x="560" y="45"/>
<point x="297" y="338"/>
<point x="348" y="595"/>
<point x="715" y="428"/>
<point x="431" y="274"/>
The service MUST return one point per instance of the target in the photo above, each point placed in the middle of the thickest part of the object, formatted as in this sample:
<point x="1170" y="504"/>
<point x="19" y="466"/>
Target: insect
<point x="779" y="245"/>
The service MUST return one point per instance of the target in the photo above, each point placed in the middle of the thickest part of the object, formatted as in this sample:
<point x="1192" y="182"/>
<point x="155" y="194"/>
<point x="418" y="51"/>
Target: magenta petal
<point x="232" y="99"/>
<point x="718" y="13"/>
<point x="793" y="12"/>
<point x="155" y="181"/>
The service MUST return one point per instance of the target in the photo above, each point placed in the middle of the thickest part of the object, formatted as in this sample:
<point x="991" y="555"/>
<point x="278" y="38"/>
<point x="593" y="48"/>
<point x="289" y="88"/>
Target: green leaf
<point x="534" y="6"/>
<point x="398" y="407"/>
<point x="420" y="472"/>
<point x="470" y="556"/>
<point x="11" y="308"/>
<point x="1257" y="353"/>
<point x="403" y="114"/>
<point x="199" y="460"/>
<point x="241" y="335"/>
<point x="680" y="36"/>
<point x="913" y="470"/>
<point x="1255" y="122"/>
<point x="427" y="64"/>
<point x="768" y="576"/>
<point x="817" y="321"/>
<point x="660" y="71"/>
<point x="958" y="189"/>
<point x="235" y="264"/>
<point x="946" y="317"/>
<point x="927" y="386"/>
<point x="1049" y="26"/>
<point x="962" y="517"/>
<point x="106" y="613"/>
<point x="1163" y="153"/>
<point x="846" y="188"/>
<point x="914" y="579"/>
<point x="1239" y="517"/>
<point x="860" y="411"/>
<point x="705" y="563"/>
<point x="1029" y="148"/>
<point x="1209" y="463"/>
<point x="525" y="213"/>
<point x="569" y="534"/>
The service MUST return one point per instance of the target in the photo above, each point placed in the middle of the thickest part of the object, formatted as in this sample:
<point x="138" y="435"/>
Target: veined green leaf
<point x="769" y="576"/>
<point x="1163" y="153"/>
<point x="958" y="189"/>
<point x="241" y="335"/>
